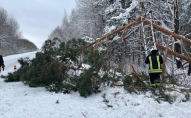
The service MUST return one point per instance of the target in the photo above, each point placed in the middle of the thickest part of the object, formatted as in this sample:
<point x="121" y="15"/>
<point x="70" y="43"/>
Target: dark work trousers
<point x="154" y="79"/>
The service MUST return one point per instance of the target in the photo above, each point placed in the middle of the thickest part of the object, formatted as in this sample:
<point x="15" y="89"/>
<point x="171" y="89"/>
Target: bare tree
<point x="10" y="35"/>
<point x="3" y="21"/>
<point x="91" y="17"/>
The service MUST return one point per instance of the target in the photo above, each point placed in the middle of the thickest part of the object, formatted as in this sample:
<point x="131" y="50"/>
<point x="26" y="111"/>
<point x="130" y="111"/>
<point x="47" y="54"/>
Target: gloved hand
<point x="3" y="67"/>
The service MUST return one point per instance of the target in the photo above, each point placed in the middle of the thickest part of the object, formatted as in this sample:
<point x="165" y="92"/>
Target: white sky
<point x="38" y="18"/>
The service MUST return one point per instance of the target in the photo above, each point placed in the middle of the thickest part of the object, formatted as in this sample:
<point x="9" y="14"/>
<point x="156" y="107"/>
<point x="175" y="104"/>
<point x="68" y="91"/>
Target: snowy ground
<point x="20" y="101"/>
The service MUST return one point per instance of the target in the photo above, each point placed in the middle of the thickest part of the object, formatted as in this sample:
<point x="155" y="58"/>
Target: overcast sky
<point x="38" y="18"/>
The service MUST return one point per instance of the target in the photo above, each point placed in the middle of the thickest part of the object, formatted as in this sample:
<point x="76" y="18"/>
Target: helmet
<point x="154" y="49"/>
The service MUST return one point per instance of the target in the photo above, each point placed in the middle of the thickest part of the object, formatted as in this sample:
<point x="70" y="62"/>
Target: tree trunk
<point x="185" y="40"/>
<point x="174" y="53"/>
<point x="176" y="17"/>
<point x="111" y="1"/>
<point x="123" y="4"/>
<point x="114" y="32"/>
<point x="189" y="69"/>
<point x="177" y="47"/>
<point x="165" y="56"/>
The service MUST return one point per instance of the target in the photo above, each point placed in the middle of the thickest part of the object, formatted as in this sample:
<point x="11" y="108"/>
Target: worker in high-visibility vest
<point x="154" y="60"/>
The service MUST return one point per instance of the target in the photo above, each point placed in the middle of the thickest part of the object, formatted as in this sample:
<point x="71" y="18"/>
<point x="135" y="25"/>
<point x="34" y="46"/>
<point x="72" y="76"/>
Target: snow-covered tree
<point x="11" y="36"/>
<point x="90" y="15"/>
<point x="57" y="32"/>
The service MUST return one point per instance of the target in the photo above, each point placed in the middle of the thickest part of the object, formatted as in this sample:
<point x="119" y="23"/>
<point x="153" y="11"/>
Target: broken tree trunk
<point x="165" y="56"/>
<point x="134" y="73"/>
<point x="114" y="32"/>
<point x="185" y="50"/>
<point x="123" y="34"/>
<point x="189" y="69"/>
<point x="114" y="76"/>
<point x="174" y="53"/>
<point x="107" y="51"/>
<point x="117" y="84"/>
<point x="185" y="40"/>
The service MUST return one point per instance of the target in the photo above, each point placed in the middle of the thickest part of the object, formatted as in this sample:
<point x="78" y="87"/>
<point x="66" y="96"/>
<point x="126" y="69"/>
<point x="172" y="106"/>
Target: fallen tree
<point x="185" y="40"/>
<point x="114" y="32"/>
<point x="173" y="53"/>
<point x="170" y="52"/>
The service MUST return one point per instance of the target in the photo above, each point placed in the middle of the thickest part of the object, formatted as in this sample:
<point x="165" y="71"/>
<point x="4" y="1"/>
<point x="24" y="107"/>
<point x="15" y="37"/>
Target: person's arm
<point x="147" y="60"/>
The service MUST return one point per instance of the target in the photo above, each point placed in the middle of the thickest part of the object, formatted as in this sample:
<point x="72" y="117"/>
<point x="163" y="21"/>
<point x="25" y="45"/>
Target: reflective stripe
<point x="157" y="84"/>
<point x="151" y="70"/>
<point x="151" y="65"/>
<point x="152" y="84"/>
<point x="155" y="71"/>
<point x="158" y="62"/>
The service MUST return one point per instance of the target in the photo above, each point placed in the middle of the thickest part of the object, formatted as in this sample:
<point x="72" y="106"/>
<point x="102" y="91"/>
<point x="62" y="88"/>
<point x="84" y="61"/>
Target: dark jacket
<point x="154" y="60"/>
<point x="1" y="61"/>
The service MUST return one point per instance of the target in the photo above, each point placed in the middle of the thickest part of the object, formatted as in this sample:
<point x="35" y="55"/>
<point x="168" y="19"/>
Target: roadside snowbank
<point x="20" y="101"/>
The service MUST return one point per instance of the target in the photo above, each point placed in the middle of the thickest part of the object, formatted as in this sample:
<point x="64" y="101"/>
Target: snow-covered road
<point x="20" y="101"/>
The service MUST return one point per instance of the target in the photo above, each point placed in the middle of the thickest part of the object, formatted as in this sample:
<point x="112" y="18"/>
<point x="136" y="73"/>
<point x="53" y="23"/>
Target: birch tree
<point x="90" y="17"/>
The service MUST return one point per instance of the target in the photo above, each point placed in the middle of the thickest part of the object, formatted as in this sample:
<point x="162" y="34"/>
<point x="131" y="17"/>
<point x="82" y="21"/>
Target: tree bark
<point x="174" y="53"/>
<point x="114" y="76"/>
<point x="185" y="40"/>
<point x="177" y="47"/>
<point x="114" y="32"/>
<point x="189" y="69"/>
<point x="176" y="17"/>
<point x="134" y="73"/>
<point x="165" y="57"/>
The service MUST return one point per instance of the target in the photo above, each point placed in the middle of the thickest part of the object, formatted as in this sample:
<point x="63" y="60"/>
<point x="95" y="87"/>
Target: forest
<point x="92" y="19"/>
<point x="11" y="39"/>
<point x="98" y="61"/>
<point x="105" y="43"/>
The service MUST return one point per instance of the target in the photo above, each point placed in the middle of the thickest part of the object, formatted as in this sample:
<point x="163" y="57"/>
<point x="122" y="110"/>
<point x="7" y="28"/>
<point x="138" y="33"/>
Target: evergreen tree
<point x="89" y="81"/>
<point x="51" y="68"/>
